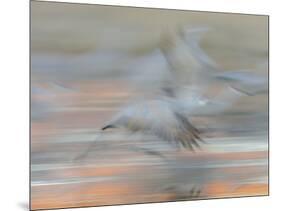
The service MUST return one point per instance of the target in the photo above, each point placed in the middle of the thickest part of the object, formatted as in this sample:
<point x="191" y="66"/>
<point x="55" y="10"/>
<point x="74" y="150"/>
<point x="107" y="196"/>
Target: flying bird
<point x="160" y="118"/>
<point x="167" y="115"/>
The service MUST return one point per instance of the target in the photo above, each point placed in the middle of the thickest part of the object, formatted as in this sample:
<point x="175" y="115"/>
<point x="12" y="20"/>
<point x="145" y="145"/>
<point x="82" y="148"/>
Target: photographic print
<point x="140" y="105"/>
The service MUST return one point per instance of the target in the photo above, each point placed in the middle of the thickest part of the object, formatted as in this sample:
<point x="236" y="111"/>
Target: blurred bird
<point x="192" y="72"/>
<point x="160" y="118"/>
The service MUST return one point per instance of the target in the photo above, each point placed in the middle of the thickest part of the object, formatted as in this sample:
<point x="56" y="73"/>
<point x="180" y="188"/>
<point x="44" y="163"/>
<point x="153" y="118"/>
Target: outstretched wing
<point x="188" y="63"/>
<point x="194" y="73"/>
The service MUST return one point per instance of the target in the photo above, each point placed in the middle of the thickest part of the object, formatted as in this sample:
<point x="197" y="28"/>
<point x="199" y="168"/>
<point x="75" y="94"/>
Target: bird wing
<point x="192" y="38"/>
<point x="187" y="61"/>
<point x="194" y="73"/>
<point x="245" y="81"/>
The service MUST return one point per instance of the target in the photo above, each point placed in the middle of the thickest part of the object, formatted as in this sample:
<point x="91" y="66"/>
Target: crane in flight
<point x="191" y="73"/>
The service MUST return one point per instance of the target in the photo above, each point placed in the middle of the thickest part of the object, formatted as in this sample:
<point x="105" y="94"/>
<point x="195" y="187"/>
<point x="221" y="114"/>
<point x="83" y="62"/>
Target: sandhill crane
<point x="167" y="115"/>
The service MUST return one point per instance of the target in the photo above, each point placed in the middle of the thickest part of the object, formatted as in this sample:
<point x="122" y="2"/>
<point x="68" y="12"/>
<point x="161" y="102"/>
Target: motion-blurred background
<point x="85" y="68"/>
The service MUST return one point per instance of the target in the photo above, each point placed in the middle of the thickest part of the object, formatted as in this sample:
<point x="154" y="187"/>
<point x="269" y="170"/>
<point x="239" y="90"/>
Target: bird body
<point x="160" y="118"/>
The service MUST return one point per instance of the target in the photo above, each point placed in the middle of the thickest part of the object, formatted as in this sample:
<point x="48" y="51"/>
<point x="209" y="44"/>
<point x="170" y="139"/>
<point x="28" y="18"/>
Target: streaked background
<point x="73" y="95"/>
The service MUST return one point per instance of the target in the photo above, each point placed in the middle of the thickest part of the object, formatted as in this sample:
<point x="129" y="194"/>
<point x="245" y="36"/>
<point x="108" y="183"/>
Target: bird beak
<point x="108" y="126"/>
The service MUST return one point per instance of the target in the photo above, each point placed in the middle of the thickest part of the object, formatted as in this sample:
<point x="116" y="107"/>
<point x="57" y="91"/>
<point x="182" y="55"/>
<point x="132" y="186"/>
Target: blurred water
<point x="234" y="158"/>
<point x="86" y="66"/>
